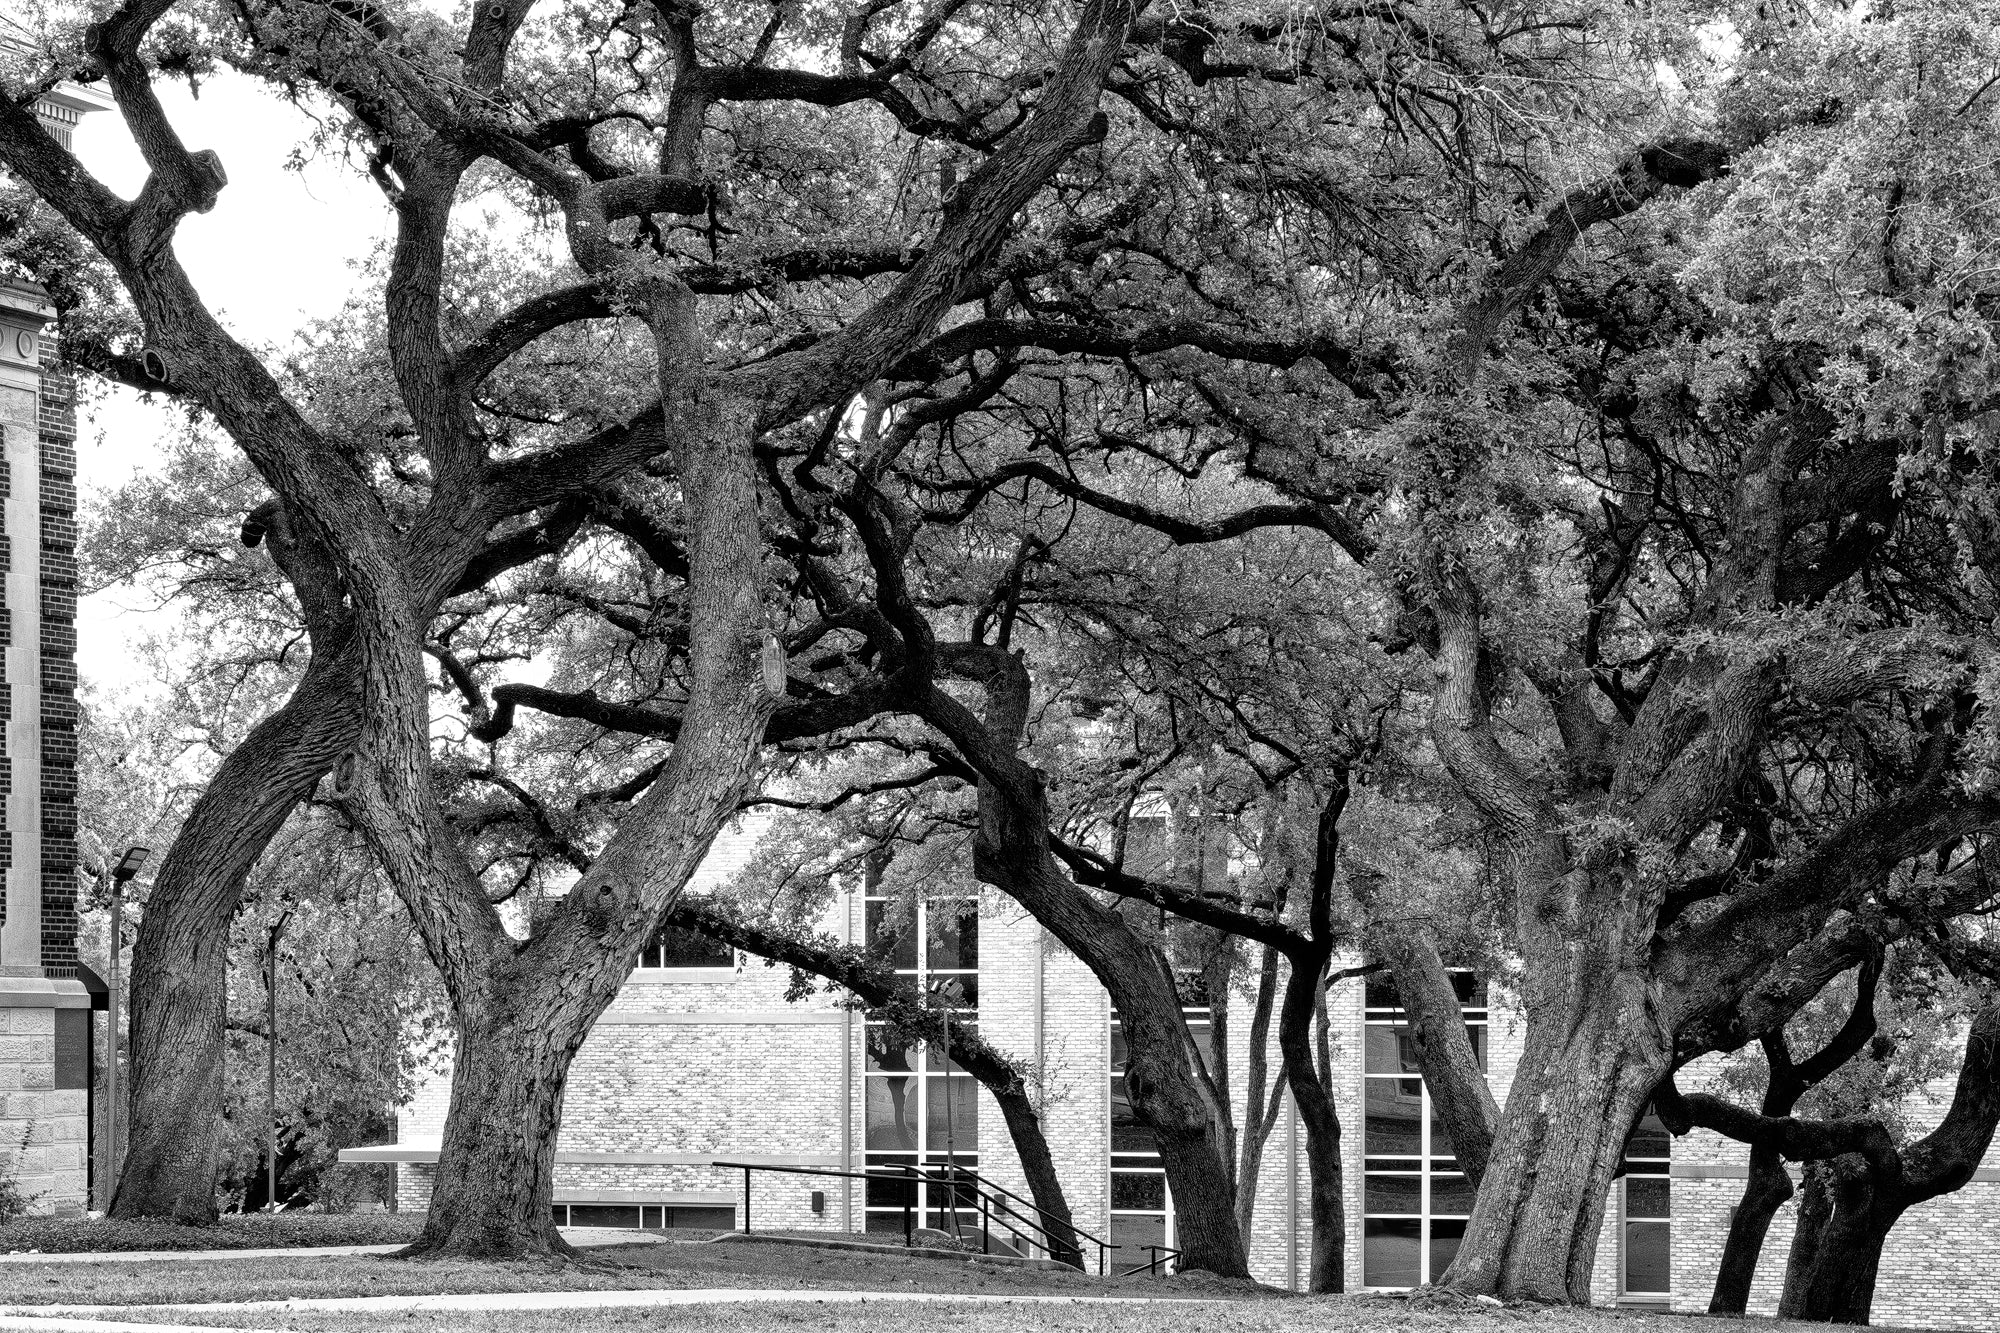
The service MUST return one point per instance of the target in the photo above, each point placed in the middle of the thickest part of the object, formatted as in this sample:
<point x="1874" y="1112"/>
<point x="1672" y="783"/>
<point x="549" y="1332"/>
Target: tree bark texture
<point x="1769" y="1184"/>
<point x="1594" y="1052"/>
<point x="523" y="1010"/>
<point x="180" y="960"/>
<point x="1832" y="1275"/>
<point x="1326" y="1266"/>
<point x="1011" y="852"/>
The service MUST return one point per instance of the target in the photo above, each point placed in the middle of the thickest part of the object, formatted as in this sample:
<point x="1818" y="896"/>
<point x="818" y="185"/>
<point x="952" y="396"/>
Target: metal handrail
<point x="1152" y="1265"/>
<point x="952" y="1176"/>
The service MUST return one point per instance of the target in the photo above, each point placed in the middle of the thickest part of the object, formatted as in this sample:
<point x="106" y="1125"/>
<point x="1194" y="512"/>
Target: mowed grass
<point x="1345" y="1314"/>
<point x="252" y="1231"/>
<point x="623" y="1268"/>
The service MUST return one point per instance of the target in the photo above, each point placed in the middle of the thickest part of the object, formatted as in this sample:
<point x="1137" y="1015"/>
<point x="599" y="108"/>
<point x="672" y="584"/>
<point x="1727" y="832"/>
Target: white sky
<point x="278" y="250"/>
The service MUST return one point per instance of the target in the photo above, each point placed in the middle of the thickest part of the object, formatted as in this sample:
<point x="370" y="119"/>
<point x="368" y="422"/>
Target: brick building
<point x="45" y="995"/>
<point x="701" y="1059"/>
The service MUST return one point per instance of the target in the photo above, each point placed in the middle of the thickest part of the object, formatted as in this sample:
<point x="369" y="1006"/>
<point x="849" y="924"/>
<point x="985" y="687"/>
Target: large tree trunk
<point x="1012" y="853"/>
<point x="1261" y="1100"/>
<point x="1767" y="1189"/>
<point x="523" y="1008"/>
<point x="1460" y="1094"/>
<point x="180" y="961"/>
<point x="1595" y="1051"/>
<point x="1833" y="1279"/>
<point x="1038" y="1165"/>
<point x="1769" y="1185"/>
<point x="494" y="1192"/>
<point x="1815" y="1211"/>
<point x="1326" y="1269"/>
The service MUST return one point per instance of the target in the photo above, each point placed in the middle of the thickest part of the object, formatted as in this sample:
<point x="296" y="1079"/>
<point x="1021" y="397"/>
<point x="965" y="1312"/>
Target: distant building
<point x="700" y="1059"/>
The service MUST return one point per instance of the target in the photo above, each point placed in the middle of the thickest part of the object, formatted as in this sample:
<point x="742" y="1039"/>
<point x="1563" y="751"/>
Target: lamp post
<point x="271" y="1063"/>
<point x="122" y="874"/>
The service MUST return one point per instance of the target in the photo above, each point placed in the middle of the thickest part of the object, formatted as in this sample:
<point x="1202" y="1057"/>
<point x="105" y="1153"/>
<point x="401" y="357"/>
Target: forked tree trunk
<point x="1594" y="1053"/>
<point x="180" y="961"/>
<point x="1769" y="1184"/>
<point x="523" y="1009"/>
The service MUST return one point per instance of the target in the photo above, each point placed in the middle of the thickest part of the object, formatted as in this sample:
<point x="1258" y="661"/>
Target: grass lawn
<point x="621" y="1268"/>
<point x="1345" y="1314"/>
<point x="254" y="1231"/>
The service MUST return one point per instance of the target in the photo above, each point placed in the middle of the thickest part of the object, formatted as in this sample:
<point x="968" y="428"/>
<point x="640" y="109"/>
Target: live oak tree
<point x="388" y="548"/>
<point x="1673" y="741"/>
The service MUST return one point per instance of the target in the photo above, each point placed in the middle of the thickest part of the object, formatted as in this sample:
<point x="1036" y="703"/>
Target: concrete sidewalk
<point x="79" y="1318"/>
<point x="583" y="1238"/>
<point x="29" y="1324"/>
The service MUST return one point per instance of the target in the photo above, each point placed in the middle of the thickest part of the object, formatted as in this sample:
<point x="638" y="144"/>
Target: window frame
<point x="928" y="1065"/>
<point x="1426" y="1163"/>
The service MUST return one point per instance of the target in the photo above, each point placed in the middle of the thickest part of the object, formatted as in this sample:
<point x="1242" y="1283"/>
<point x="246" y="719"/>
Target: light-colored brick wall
<point x="745" y="1073"/>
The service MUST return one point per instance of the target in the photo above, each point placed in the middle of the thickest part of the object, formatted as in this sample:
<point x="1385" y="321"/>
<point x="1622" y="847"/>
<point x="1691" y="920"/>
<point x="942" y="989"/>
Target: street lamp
<point x="271" y="1062"/>
<point x="122" y="874"/>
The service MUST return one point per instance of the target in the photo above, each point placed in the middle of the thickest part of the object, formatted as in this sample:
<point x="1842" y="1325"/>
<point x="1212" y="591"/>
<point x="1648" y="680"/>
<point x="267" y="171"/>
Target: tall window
<point x="1645" y="1205"/>
<point x="921" y="1109"/>
<point x="1415" y="1197"/>
<point x="1142" y="1211"/>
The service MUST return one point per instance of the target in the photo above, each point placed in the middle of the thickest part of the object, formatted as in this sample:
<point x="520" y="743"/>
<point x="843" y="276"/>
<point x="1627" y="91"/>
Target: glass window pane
<point x="885" y="1054"/>
<point x="958" y="990"/>
<point x="1451" y="1193"/>
<point x="1390" y="1249"/>
<point x="1118" y="1049"/>
<point x="711" y="1219"/>
<point x="1648" y="1197"/>
<point x="604" y="1215"/>
<point x="1132" y="1232"/>
<point x="1392" y="1124"/>
<point x="1649" y="1138"/>
<point x="1471" y="989"/>
<point x="891" y="1114"/>
<point x="1394" y="1194"/>
<point x="1475" y="1033"/>
<point x="954" y="1114"/>
<point x="954" y="935"/>
<point x="1380" y="993"/>
<point x="1445" y="1237"/>
<point x="1127" y="1133"/>
<point x="889" y="927"/>
<point x="1648" y="1258"/>
<point x="1389" y="1050"/>
<point x="1138" y="1189"/>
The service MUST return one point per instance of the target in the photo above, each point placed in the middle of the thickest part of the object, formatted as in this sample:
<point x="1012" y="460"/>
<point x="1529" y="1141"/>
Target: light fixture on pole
<point x="271" y="1062"/>
<point x="123" y="873"/>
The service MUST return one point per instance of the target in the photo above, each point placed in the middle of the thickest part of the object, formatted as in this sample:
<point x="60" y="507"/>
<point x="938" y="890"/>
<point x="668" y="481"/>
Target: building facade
<point x="45" y="1004"/>
<point x="702" y="1060"/>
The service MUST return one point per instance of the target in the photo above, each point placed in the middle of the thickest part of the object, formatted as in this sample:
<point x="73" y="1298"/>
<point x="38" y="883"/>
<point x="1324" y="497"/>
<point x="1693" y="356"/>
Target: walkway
<point x="77" y="1318"/>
